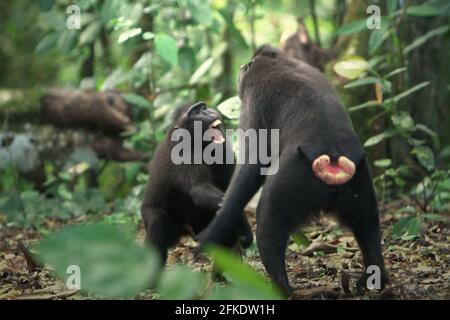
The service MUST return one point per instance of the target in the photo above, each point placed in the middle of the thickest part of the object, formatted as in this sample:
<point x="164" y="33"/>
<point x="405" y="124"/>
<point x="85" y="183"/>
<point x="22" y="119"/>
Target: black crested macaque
<point x="322" y="165"/>
<point x="182" y="199"/>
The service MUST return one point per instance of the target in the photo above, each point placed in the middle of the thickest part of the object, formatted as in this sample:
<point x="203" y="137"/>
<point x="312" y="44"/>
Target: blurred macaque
<point x="300" y="46"/>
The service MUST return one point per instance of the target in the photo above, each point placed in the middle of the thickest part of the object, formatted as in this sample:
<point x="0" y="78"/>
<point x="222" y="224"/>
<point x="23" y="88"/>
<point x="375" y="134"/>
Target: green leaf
<point x="407" y="228"/>
<point x="394" y="72"/>
<point x="352" y="27"/>
<point x="201" y="71"/>
<point x="361" y="82"/>
<point x="46" y="5"/>
<point x="424" y="10"/>
<point x="148" y="35"/>
<point x="230" y="108"/>
<point x="391" y="6"/>
<point x="90" y="33"/>
<point x="187" y="58"/>
<point x="115" y="78"/>
<point x="402" y="120"/>
<point x="181" y="283"/>
<point x="365" y="105"/>
<point x="435" y="217"/>
<point x="424" y="38"/>
<point x="351" y="67"/>
<point x="434" y="136"/>
<point x="47" y="43"/>
<point x="406" y="93"/>
<point x="236" y="34"/>
<point x="137" y="100"/>
<point x="201" y="11"/>
<point x="166" y="46"/>
<point x="109" y="10"/>
<point x="377" y="37"/>
<point x="240" y="272"/>
<point x="111" y="263"/>
<point x="379" y="137"/>
<point x="445" y="152"/>
<point x="300" y="239"/>
<point x="237" y="292"/>
<point x="124" y="36"/>
<point x="425" y="156"/>
<point x="67" y="41"/>
<point x="383" y="163"/>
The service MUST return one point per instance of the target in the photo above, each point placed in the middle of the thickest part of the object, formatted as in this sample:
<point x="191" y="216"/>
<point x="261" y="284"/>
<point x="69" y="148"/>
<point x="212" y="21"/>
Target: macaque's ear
<point x="196" y="108"/>
<point x="302" y="33"/>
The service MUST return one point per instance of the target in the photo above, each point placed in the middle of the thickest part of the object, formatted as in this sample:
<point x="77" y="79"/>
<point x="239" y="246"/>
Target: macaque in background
<point x="300" y="46"/>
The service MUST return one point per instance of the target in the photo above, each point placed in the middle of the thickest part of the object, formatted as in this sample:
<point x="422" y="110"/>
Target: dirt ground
<point x="327" y="269"/>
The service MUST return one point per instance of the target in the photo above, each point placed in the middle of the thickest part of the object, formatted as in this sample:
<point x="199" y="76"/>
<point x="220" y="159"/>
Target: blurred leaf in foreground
<point x="111" y="264"/>
<point x="246" y="281"/>
<point x="181" y="283"/>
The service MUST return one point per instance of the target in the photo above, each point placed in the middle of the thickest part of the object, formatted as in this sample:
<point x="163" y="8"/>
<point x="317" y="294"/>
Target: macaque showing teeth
<point x="214" y="134"/>
<point x="182" y="199"/>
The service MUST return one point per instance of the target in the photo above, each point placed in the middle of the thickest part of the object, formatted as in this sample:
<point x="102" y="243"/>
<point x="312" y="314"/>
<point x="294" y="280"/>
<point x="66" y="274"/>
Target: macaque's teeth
<point x="219" y="140"/>
<point x="215" y="124"/>
<point x="347" y="165"/>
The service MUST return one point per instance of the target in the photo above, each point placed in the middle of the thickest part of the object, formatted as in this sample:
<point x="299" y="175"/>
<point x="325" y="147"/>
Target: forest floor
<point x="327" y="269"/>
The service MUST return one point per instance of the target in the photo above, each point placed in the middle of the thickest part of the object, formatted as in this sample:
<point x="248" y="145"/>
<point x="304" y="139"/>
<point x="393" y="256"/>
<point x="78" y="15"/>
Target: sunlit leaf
<point x="201" y="71"/>
<point x="230" y="108"/>
<point x="361" y="82"/>
<point x="124" y="36"/>
<point x="201" y="11"/>
<point x="402" y="120"/>
<point x="365" y="105"/>
<point x="90" y="33"/>
<point x="351" y="67"/>
<point x="379" y="137"/>
<point x="383" y="163"/>
<point x="395" y="72"/>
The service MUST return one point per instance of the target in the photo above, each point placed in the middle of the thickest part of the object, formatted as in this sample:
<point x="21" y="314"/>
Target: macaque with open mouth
<point x="181" y="199"/>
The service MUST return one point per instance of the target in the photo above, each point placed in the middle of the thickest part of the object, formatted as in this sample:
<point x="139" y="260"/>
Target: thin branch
<point x="312" y="10"/>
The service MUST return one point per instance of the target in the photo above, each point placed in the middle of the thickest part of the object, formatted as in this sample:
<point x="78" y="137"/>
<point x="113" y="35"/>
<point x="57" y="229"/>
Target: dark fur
<point x="183" y="198"/>
<point x="279" y="92"/>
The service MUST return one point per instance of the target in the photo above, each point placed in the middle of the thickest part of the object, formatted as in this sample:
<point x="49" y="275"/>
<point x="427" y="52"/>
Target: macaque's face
<point x="210" y="119"/>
